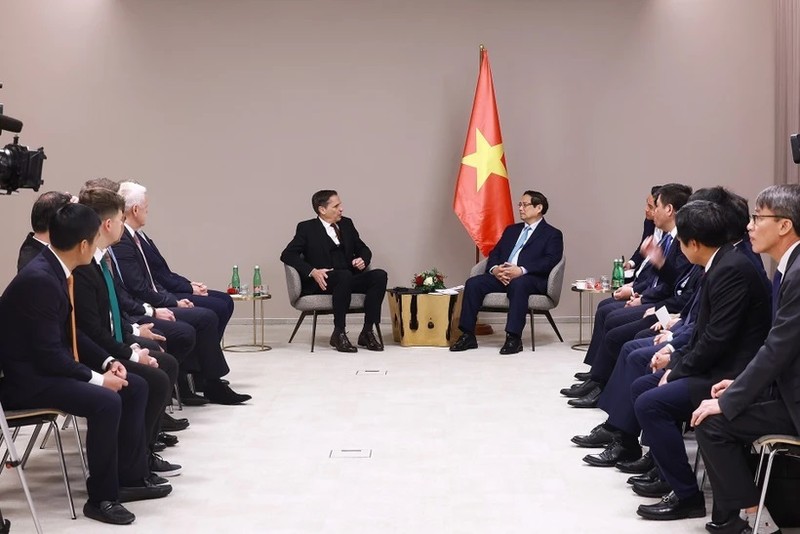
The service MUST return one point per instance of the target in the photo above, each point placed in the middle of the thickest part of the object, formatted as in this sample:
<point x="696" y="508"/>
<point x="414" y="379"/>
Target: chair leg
<point x="313" y="331"/>
<point x="764" y="489"/>
<point x="6" y="434"/>
<point x="60" y="447"/>
<point x="80" y="446"/>
<point x="177" y="397"/>
<point x="46" y="437"/>
<point x="533" y="342"/>
<point x="553" y="324"/>
<point x="31" y="443"/>
<point x="299" y="322"/>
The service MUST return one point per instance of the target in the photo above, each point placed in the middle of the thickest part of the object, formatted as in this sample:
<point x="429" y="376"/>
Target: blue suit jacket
<point x="172" y="281"/>
<point x="133" y="274"/>
<point x="543" y="250"/>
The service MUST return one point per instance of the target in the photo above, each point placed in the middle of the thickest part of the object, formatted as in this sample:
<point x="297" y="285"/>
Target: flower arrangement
<point x="428" y="280"/>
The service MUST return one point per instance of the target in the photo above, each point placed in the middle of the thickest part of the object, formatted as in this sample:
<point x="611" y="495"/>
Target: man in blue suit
<point x="519" y="266"/>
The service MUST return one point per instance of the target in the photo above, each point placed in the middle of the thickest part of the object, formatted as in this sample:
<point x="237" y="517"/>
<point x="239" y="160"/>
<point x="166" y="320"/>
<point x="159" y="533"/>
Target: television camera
<point x="20" y="167"/>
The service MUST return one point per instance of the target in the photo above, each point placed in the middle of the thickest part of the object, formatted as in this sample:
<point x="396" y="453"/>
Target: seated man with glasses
<point x="519" y="265"/>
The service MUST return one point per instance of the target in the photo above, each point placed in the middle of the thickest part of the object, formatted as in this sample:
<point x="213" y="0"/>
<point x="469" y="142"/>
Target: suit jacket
<point x="30" y="249"/>
<point x="543" y="250"/>
<point x="675" y="267"/>
<point x="135" y="278"/>
<point x="312" y="248"/>
<point x="778" y="360"/>
<point x="92" y="312"/>
<point x="682" y="292"/>
<point x="647" y="231"/>
<point x="171" y="281"/>
<point x="36" y="346"/>
<point x="732" y="322"/>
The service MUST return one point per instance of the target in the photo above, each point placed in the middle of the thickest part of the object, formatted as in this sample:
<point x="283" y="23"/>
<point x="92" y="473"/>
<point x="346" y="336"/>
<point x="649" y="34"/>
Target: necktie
<point x="523" y="237"/>
<point x="776" y="286"/>
<point x="338" y="233"/>
<point x="116" y="318"/>
<point x="665" y="242"/>
<point x="144" y="258"/>
<point x="71" y="291"/>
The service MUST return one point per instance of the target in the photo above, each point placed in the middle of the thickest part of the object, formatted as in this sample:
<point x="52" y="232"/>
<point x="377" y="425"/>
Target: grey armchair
<point x="537" y="304"/>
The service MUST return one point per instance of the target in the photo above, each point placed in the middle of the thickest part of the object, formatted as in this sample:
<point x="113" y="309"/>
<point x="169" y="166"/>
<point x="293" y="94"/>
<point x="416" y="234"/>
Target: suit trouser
<point x="342" y="283"/>
<point x="160" y="382"/>
<point x="181" y="340"/>
<point x="115" y="439"/>
<point x="604" y="309"/>
<point x="518" y="291"/>
<point x="218" y="302"/>
<point x="660" y="410"/>
<point x="626" y="322"/>
<point x="207" y="350"/>
<point x="725" y="446"/>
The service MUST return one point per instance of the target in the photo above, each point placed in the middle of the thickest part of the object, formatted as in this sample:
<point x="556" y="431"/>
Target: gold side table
<point x="581" y="345"/>
<point x="258" y="344"/>
<point x="424" y="319"/>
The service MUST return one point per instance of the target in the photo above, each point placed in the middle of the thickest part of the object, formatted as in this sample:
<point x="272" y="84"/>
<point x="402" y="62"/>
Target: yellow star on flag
<point x="486" y="159"/>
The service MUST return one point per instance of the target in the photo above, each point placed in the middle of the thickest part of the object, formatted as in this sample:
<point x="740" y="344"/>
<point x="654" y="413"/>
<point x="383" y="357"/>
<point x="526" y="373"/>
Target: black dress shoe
<point x="512" y="345"/>
<point x="108" y="512"/>
<point x="579" y="390"/>
<point x="167" y="439"/>
<point x="369" y="341"/>
<point x="670" y="508"/>
<point x="171" y="424"/>
<point x="465" y="341"/>
<point x="642" y="465"/>
<point x="340" y="342"/>
<point x="220" y="393"/>
<point x="159" y="446"/>
<point x="598" y="437"/>
<point x="189" y="398"/>
<point x="613" y="454"/>
<point x="657" y="488"/>
<point x="148" y="490"/>
<point x="583" y="376"/>
<point x="734" y="525"/>
<point x="650" y="476"/>
<point x="587" y="401"/>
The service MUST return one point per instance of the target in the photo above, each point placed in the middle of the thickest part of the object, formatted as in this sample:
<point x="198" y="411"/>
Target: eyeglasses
<point x="525" y="204"/>
<point x="756" y="218"/>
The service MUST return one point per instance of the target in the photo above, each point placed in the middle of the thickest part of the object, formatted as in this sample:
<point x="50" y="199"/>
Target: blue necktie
<point x="523" y="236"/>
<point x="665" y="242"/>
<point x="776" y="286"/>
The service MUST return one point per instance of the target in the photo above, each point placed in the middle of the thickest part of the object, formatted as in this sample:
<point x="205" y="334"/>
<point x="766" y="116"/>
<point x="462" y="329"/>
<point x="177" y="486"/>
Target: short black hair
<point x="320" y="199"/>
<point x="704" y="222"/>
<point x="71" y="225"/>
<point x="654" y="190"/>
<point x="675" y="195"/>
<point x="45" y="207"/>
<point x="538" y="199"/>
<point x="734" y="206"/>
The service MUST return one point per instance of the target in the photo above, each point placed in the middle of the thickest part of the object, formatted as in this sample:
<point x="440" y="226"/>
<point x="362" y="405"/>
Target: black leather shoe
<point x="369" y="341"/>
<point x="108" y="512"/>
<point x="657" y="488"/>
<point x="587" y="401"/>
<point x="598" y="437"/>
<point x="642" y="465"/>
<point x="670" y="508"/>
<point x="650" y="476"/>
<point x="340" y="342"/>
<point x="171" y="424"/>
<point x="159" y="446"/>
<point x="167" y="439"/>
<point x="148" y="490"/>
<point x="579" y="390"/>
<point x="189" y="398"/>
<point x="583" y="376"/>
<point x="512" y="345"/>
<point x="220" y="393"/>
<point x="613" y="454"/>
<point x="734" y="525"/>
<point x="465" y="341"/>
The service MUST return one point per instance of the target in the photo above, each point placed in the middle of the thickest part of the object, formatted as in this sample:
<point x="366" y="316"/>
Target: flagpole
<point x="481" y="329"/>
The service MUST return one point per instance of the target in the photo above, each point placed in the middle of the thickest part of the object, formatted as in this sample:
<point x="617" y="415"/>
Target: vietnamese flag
<point x="483" y="197"/>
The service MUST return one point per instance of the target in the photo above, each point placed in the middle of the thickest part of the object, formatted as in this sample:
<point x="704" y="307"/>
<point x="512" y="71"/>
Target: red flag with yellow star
<point x="483" y="197"/>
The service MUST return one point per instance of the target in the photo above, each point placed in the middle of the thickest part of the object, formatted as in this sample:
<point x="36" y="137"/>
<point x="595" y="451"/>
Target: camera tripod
<point x="15" y="463"/>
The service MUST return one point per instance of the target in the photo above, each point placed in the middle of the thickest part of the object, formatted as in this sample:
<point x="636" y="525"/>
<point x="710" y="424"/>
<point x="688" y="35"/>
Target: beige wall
<point x="234" y="112"/>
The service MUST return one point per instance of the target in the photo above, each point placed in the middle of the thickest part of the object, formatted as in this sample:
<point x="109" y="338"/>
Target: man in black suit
<point x="732" y="321"/>
<point x="98" y="316"/>
<point x="331" y="258"/>
<point x="519" y="266"/>
<point x="42" y="211"/>
<point x="648" y="230"/>
<point x="136" y="275"/>
<point x="764" y="398"/>
<point x="48" y="363"/>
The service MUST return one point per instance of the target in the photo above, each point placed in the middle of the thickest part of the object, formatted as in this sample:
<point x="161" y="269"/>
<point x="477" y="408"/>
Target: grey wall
<point x="234" y="112"/>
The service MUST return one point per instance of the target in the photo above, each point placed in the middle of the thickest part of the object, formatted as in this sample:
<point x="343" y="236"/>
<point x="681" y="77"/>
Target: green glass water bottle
<point x="257" y="289"/>
<point x="235" y="282"/>
<point x="617" y="275"/>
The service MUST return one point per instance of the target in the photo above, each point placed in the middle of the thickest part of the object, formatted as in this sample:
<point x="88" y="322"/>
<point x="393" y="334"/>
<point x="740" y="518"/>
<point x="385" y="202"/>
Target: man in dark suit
<point x="48" y="363"/>
<point x="519" y="266"/>
<point x="42" y="211"/>
<point x="648" y="230"/>
<point x="98" y="316"/>
<point x="136" y="275"/>
<point x="331" y="258"/>
<point x="732" y="321"/>
<point x="764" y="398"/>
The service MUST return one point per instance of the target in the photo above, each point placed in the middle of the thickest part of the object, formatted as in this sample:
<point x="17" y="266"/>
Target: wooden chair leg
<point x="313" y="331"/>
<point x="299" y="322"/>
<point x="553" y="324"/>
